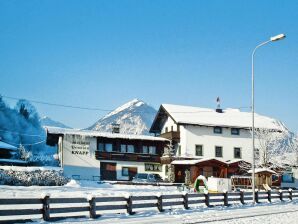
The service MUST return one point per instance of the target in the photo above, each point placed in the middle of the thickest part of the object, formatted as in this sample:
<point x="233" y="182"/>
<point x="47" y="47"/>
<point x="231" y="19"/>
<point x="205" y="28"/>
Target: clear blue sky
<point x="105" y="53"/>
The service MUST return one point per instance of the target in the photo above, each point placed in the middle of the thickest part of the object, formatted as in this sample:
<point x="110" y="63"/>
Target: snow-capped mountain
<point x="46" y="121"/>
<point x="134" y="117"/>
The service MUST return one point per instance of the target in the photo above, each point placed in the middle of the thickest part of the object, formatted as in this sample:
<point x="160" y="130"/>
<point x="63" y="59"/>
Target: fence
<point x="94" y="206"/>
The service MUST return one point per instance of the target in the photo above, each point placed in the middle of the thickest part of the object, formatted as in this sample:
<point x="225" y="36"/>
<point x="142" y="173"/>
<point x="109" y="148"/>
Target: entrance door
<point x="132" y="171"/>
<point x="108" y="171"/>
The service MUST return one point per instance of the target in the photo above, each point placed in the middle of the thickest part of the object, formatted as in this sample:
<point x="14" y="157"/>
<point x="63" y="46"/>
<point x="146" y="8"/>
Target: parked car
<point x="146" y="178"/>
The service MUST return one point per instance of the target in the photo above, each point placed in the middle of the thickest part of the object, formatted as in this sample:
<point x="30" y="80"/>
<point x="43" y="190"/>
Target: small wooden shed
<point x="263" y="178"/>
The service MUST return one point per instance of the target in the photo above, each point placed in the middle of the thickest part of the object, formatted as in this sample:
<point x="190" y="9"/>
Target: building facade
<point x="222" y="137"/>
<point x="93" y="155"/>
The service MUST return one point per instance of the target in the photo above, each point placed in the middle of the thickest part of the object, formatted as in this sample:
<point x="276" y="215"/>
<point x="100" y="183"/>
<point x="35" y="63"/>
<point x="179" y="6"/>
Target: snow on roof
<point x="194" y="161"/>
<point x="229" y="117"/>
<point x="54" y="130"/>
<point x="235" y="161"/>
<point x="260" y="170"/>
<point x="4" y="145"/>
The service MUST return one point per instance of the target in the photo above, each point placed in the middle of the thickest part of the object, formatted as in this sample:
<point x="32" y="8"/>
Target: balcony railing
<point x="136" y="157"/>
<point x="171" y="135"/>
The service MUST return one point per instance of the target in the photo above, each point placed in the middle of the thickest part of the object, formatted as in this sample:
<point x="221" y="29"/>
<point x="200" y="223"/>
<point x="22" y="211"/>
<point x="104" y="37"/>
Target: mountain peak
<point x="134" y="117"/>
<point x="47" y="121"/>
<point x="133" y="103"/>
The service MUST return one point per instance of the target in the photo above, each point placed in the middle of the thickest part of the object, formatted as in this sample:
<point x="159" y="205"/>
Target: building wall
<point x="79" y="159"/>
<point x="191" y="135"/>
<point x="168" y="124"/>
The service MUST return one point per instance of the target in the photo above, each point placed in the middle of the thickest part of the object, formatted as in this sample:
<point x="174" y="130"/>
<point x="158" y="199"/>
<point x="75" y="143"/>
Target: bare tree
<point x="269" y="145"/>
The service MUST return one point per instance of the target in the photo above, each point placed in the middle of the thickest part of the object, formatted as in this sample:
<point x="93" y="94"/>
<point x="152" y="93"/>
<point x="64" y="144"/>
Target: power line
<point x="101" y="109"/>
<point x="17" y="144"/>
<point x="57" y="105"/>
<point x="14" y="132"/>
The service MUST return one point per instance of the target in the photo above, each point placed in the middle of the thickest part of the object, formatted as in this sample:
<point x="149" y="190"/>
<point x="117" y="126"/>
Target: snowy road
<point x="263" y="213"/>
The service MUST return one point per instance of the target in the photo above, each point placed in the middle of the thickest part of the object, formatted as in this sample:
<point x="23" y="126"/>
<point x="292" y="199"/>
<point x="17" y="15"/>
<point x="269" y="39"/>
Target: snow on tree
<point x="171" y="173"/>
<point x="269" y="144"/>
<point x="273" y="149"/>
<point x="24" y="154"/>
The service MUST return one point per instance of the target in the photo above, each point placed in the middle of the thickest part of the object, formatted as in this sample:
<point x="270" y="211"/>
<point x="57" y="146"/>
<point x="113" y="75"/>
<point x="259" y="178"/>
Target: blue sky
<point x="105" y="53"/>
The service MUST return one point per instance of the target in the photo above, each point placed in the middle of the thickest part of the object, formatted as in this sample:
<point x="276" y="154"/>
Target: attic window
<point x="235" y="131"/>
<point x="217" y="130"/>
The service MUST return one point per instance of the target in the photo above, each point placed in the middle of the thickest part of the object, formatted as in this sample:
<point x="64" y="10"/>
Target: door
<point x="132" y="171"/>
<point x="108" y="171"/>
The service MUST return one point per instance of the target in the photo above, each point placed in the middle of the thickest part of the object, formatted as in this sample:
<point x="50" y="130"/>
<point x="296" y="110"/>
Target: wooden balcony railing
<point x="171" y="135"/>
<point x="119" y="156"/>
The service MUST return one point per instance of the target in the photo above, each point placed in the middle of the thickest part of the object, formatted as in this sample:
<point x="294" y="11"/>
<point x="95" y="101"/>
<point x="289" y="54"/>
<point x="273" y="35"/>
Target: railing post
<point x="257" y="196"/>
<point x="269" y="195"/>
<point x="226" y="199"/>
<point x="207" y="197"/>
<point x="290" y="194"/>
<point x="92" y="208"/>
<point x="46" y="208"/>
<point x="280" y="195"/>
<point x="159" y="203"/>
<point x="129" y="205"/>
<point x="242" y="197"/>
<point x="185" y="200"/>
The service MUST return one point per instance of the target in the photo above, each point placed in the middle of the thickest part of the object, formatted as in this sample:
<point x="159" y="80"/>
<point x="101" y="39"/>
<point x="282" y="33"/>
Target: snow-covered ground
<point x="236" y="213"/>
<point x="83" y="189"/>
<point x="287" y="213"/>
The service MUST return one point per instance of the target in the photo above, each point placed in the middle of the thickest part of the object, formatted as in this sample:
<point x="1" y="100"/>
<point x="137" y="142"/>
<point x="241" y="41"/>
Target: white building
<point x="93" y="155"/>
<point x="202" y="133"/>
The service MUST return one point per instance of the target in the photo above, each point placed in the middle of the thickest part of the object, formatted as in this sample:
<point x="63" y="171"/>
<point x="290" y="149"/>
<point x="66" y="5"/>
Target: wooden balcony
<point x="171" y="135"/>
<point x="134" y="157"/>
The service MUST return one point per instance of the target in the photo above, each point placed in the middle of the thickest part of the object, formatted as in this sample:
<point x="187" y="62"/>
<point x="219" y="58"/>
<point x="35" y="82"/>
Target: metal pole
<point x="253" y="117"/>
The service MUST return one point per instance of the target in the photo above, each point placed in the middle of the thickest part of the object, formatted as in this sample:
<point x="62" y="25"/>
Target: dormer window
<point x="217" y="130"/>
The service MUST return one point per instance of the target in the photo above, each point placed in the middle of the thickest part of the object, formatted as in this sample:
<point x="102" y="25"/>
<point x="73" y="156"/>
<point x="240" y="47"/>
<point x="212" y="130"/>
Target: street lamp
<point x="275" y="38"/>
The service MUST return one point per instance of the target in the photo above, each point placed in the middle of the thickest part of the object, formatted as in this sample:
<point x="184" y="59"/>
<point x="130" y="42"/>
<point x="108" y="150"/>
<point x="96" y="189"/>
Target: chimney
<point x="115" y="128"/>
<point x="218" y="109"/>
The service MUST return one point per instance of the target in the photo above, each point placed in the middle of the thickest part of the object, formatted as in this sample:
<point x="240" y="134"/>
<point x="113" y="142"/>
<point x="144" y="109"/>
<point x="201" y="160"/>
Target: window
<point x="127" y="148"/>
<point x="218" y="151"/>
<point x="100" y="147"/>
<point x="179" y="150"/>
<point x="172" y="128"/>
<point x="166" y="129"/>
<point x="217" y="130"/>
<point x="130" y="148"/>
<point x="125" y="171"/>
<point x="257" y="153"/>
<point x="145" y="149"/>
<point x="153" y="167"/>
<point x="237" y="153"/>
<point x="199" y="150"/>
<point x="108" y="147"/>
<point x="152" y="150"/>
<point x="123" y="148"/>
<point x="235" y="131"/>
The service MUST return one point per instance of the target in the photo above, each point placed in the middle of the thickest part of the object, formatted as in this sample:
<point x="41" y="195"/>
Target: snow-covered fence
<point x="51" y="209"/>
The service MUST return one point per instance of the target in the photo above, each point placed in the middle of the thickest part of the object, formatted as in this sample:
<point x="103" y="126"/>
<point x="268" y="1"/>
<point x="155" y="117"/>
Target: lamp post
<point x="275" y="38"/>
